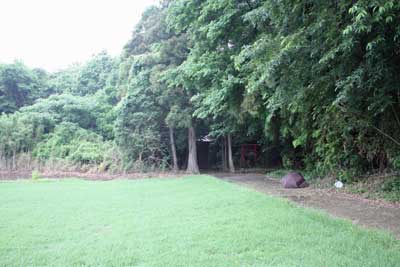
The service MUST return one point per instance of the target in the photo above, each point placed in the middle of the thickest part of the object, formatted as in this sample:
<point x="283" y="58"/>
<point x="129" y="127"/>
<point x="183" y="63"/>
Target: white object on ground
<point x="339" y="184"/>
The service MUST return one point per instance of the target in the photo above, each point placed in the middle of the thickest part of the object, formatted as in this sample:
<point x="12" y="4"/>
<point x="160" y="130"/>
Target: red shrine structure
<point x="249" y="154"/>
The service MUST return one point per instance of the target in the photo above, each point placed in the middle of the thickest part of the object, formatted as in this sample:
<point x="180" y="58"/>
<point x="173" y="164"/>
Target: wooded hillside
<point x="315" y="83"/>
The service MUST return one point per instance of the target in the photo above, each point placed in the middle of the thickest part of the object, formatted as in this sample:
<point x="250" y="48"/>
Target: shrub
<point x="392" y="185"/>
<point x="348" y="175"/>
<point x="35" y="175"/>
<point x="72" y="143"/>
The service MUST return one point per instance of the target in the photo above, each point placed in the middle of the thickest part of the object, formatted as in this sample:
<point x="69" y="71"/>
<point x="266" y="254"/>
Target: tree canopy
<point x="314" y="83"/>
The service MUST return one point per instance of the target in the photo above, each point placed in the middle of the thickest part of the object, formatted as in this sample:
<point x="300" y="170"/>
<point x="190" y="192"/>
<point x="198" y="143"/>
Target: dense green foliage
<point x="20" y="86"/>
<point x="314" y="82"/>
<point x="173" y="222"/>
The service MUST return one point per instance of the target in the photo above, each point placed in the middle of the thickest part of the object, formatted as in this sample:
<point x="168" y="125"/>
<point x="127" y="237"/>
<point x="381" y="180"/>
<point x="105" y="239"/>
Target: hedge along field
<point x="192" y="221"/>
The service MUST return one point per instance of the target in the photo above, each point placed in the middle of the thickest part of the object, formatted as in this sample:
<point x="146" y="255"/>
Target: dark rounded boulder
<point x="294" y="180"/>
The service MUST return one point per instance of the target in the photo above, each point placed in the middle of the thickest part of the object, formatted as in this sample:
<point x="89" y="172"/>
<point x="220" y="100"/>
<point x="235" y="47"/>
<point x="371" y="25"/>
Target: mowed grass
<point x="192" y="221"/>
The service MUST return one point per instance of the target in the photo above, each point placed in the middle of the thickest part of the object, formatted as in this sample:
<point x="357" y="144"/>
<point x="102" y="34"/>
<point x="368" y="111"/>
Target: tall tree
<point x="20" y="86"/>
<point x="218" y="33"/>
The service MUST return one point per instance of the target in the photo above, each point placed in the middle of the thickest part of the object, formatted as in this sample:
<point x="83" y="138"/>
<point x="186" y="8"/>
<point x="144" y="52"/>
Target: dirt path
<point x="371" y="214"/>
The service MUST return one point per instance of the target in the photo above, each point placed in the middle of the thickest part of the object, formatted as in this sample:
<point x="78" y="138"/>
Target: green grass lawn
<point x="193" y="221"/>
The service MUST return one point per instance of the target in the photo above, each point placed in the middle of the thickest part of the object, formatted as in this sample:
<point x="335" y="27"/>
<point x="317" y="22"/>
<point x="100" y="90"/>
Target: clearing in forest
<point x="191" y="221"/>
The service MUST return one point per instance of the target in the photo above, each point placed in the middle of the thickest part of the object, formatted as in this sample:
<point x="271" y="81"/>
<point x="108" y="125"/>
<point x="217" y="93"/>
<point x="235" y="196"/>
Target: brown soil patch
<point x="368" y="213"/>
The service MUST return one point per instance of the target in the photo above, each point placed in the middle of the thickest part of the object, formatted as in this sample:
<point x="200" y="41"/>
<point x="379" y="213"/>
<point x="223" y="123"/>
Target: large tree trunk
<point x="192" y="166"/>
<point x="173" y="150"/>
<point x="224" y="158"/>
<point x="13" y="160"/>
<point x="230" y="158"/>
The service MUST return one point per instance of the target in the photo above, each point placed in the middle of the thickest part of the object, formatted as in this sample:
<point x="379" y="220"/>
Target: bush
<point x="348" y="175"/>
<point x="74" y="144"/>
<point x="35" y="175"/>
<point x="392" y="185"/>
<point x="396" y="162"/>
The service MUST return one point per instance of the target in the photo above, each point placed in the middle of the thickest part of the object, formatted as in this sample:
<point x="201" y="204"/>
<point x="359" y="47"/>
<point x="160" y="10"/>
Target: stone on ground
<point x="293" y="180"/>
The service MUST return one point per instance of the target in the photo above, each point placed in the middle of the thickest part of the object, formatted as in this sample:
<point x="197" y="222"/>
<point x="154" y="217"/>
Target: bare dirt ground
<point x="368" y="213"/>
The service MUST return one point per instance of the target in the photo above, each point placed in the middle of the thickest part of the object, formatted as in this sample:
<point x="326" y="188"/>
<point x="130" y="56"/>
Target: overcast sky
<point x="53" y="34"/>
